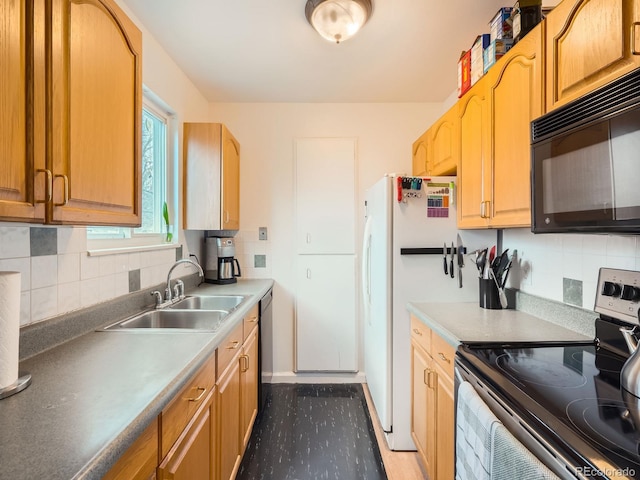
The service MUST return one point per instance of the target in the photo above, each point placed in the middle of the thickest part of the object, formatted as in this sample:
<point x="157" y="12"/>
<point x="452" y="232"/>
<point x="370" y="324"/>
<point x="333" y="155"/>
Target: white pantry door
<point x="325" y="313"/>
<point x="325" y="195"/>
<point x="325" y="219"/>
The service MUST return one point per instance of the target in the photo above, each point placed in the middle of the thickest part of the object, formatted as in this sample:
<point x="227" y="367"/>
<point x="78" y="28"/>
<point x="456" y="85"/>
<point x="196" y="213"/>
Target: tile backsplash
<point x="253" y="254"/>
<point x="58" y="276"/>
<point x="564" y="267"/>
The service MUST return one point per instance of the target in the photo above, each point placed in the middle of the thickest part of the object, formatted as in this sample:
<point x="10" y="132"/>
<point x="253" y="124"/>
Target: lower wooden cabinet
<point x="432" y="406"/>
<point x="229" y="429"/>
<point x="249" y="385"/>
<point x="204" y="430"/>
<point x="192" y="457"/>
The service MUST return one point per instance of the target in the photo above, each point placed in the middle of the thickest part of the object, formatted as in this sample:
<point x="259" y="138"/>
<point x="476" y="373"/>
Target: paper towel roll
<point x="9" y="327"/>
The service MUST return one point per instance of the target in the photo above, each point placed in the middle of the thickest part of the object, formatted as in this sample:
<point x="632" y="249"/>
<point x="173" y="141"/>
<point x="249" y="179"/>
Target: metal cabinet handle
<point x="484" y="209"/>
<point x="245" y="359"/>
<point x="235" y="344"/>
<point x="48" y="185"/>
<point x="443" y="357"/>
<point x="417" y="332"/>
<point x="202" y="390"/>
<point x="253" y="319"/>
<point x="427" y="377"/>
<point x="65" y="199"/>
<point x="634" y="26"/>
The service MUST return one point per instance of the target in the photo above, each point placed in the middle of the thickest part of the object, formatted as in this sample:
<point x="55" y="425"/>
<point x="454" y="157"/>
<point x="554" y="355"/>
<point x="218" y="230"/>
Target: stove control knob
<point x="610" y="289"/>
<point x="630" y="293"/>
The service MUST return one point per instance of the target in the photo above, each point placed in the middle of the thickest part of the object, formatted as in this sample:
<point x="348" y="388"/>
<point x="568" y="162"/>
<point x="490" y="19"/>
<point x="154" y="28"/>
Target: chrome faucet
<point x="178" y="290"/>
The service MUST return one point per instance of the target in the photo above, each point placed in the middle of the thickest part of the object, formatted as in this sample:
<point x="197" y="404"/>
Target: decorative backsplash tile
<point x="58" y="275"/>
<point x="572" y="291"/>
<point x="43" y="241"/>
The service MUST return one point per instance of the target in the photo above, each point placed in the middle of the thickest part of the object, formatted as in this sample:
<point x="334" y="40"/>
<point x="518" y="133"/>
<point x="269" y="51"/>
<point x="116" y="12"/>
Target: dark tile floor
<point x="313" y="432"/>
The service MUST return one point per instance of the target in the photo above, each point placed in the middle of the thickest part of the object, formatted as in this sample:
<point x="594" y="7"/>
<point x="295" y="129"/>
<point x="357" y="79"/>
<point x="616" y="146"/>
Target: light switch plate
<point x="262" y="233"/>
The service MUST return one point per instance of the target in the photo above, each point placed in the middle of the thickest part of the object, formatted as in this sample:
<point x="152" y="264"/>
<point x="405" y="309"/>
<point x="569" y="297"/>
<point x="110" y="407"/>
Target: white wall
<point x="266" y="132"/>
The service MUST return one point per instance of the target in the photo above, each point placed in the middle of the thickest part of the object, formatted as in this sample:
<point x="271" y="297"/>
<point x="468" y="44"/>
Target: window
<point x="153" y="229"/>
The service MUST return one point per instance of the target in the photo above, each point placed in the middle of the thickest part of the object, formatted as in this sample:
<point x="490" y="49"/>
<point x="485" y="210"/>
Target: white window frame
<point x="149" y="241"/>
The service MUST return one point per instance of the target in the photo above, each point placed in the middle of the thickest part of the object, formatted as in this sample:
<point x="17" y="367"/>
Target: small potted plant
<point x="165" y="216"/>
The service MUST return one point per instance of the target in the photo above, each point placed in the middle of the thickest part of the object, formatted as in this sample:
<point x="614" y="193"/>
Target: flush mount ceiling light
<point x="337" y="20"/>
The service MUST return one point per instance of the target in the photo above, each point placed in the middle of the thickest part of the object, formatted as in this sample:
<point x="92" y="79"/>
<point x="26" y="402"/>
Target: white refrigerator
<point x="424" y="218"/>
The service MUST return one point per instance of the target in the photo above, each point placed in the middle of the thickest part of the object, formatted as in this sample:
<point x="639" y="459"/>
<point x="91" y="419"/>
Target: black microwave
<point x="585" y="172"/>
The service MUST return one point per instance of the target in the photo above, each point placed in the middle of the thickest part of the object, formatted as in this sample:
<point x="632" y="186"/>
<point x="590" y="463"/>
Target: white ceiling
<point x="265" y="51"/>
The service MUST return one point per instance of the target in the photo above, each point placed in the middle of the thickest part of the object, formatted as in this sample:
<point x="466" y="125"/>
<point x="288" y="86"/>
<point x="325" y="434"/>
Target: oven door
<point x="518" y="452"/>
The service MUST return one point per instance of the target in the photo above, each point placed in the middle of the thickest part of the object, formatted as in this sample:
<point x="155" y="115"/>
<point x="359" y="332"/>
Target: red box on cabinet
<point x="464" y="73"/>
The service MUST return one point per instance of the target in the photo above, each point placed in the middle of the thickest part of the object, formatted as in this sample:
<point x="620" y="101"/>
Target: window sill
<point x="99" y="252"/>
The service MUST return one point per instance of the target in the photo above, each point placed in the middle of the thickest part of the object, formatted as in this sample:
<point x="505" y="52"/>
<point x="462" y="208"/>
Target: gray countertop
<point x="467" y="322"/>
<point x="92" y="396"/>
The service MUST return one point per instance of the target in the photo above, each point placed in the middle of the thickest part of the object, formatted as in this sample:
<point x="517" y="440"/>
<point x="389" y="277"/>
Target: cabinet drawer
<point x="140" y="460"/>
<point x="421" y="334"/>
<point x="175" y="417"/>
<point x="443" y="353"/>
<point x="250" y="321"/>
<point x="229" y="348"/>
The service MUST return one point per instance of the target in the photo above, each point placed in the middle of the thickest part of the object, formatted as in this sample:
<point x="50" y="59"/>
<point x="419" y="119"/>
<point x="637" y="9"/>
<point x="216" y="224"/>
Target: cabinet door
<point x="94" y="141"/>
<point x="191" y="458"/>
<point x="445" y="424"/>
<point x="325" y="313"/>
<point x="473" y="186"/>
<point x="229" y="438"/>
<point x="420" y="154"/>
<point x="444" y="144"/>
<point x="22" y="158"/>
<point x="325" y="195"/>
<point x="230" y="181"/>
<point x="516" y="92"/>
<point x="422" y="403"/>
<point x="589" y="43"/>
<point x="249" y="385"/>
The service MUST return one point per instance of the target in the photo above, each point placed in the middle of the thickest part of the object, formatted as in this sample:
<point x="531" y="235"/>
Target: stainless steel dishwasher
<point x="265" y="349"/>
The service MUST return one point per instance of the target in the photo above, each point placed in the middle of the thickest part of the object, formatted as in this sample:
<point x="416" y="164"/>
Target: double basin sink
<point x="197" y="313"/>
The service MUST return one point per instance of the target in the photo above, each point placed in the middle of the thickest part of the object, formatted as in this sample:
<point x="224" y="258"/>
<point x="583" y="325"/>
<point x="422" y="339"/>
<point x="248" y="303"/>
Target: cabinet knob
<point x="417" y="332"/>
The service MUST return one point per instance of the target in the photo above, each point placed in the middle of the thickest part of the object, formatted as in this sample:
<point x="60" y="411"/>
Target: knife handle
<point x="451" y="269"/>
<point x="446" y="272"/>
<point x="459" y="277"/>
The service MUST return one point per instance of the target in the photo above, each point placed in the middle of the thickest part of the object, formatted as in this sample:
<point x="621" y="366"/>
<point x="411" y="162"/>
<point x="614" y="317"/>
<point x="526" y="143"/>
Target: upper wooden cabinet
<point x="474" y="165"/>
<point x="420" y="154"/>
<point x="495" y="115"/>
<point x="74" y="107"/>
<point x="589" y="43"/>
<point x="18" y="156"/>
<point x="211" y="178"/>
<point x="435" y="152"/>
<point x="443" y="158"/>
<point x="515" y="91"/>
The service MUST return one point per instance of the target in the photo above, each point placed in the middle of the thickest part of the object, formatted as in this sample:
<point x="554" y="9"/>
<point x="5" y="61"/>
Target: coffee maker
<point x="221" y="266"/>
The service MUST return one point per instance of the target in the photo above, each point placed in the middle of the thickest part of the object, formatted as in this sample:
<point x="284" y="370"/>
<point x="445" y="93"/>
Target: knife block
<point x="489" y="297"/>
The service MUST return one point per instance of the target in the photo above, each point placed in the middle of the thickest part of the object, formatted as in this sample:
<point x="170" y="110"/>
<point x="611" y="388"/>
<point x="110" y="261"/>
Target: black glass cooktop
<point x="571" y="394"/>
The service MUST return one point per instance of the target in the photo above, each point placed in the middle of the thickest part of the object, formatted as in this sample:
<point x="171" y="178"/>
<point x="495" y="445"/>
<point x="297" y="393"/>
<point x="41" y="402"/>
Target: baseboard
<point x="322" y="377"/>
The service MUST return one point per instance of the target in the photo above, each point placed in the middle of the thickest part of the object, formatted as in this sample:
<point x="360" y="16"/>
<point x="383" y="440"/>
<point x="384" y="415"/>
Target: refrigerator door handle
<point x="366" y="269"/>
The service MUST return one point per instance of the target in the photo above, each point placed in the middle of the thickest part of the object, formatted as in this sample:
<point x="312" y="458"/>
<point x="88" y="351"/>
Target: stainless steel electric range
<point x="563" y="401"/>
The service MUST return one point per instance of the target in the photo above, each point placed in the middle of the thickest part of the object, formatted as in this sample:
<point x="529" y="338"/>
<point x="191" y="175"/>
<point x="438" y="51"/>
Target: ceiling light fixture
<point x="338" y="20"/>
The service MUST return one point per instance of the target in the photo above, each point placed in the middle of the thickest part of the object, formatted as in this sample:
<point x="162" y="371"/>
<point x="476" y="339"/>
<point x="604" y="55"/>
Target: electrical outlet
<point x="262" y="233"/>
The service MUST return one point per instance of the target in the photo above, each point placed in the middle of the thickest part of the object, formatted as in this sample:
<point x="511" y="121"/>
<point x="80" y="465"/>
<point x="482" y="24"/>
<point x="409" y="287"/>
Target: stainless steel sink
<point x="209" y="302"/>
<point x="192" y="320"/>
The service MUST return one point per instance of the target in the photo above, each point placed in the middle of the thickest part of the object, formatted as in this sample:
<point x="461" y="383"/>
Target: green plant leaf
<point x="165" y="213"/>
